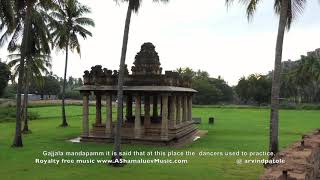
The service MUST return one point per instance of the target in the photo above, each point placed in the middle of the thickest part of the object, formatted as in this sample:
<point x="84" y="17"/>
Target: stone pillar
<point x="137" y="121"/>
<point x="178" y="120"/>
<point x="147" y="120"/>
<point x="109" y="114"/>
<point x="98" y="108"/>
<point x="184" y="108"/>
<point x="155" y="107"/>
<point x="129" y="107"/>
<point x="172" y="113"/>
<point x="164" y="122"/>
<point x="190" y="108"/>
<point x="85" y="116"/>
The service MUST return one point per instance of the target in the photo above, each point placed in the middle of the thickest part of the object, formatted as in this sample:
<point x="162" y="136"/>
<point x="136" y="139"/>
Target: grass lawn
<point x="234" y="130"/>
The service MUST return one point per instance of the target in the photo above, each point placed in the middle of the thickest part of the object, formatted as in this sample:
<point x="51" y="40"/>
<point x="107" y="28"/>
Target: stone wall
<point x="302" y="161"/>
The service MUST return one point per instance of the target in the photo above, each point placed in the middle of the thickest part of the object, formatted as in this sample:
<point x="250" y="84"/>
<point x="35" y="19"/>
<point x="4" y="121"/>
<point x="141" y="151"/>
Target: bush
<point x="8" y="114"/>
<point x="9" y="92"/>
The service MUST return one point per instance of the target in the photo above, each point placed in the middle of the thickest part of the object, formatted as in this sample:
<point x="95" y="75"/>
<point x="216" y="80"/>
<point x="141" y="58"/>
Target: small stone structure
<point x="302" y="161"/>
<point x="168" y="95"/>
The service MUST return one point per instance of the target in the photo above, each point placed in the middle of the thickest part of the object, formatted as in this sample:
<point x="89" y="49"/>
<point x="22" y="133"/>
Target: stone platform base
<point x="177" y="137"/>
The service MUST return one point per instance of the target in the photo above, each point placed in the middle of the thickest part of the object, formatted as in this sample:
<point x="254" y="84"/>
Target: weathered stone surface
<point x="146" y="81"/>
<point x="147" y="61"/>
<point x="145" y="72"/>
<point x="302" y="161"/>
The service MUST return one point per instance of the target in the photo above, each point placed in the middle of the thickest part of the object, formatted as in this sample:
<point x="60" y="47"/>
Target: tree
<point x="50" y="86"/>
<point x="207" y="93"/>
<point x="67" y="24"/>
<point x="243" y="90"/>
<point x="35" y="66"/>
<point x="306" y="78"/>
<point x="8" y="20"/>
<point x="287" y="11"/>
<point x="4" y="77"/>
<point x="225" y="89"/>
<point x="210" y="90"/>
<point x="255" y="88"/>
<point x="288" y="89"/>
<point x="300" y="81"/>
<point x="24" y="18"/>
<point x="133" y="6"/>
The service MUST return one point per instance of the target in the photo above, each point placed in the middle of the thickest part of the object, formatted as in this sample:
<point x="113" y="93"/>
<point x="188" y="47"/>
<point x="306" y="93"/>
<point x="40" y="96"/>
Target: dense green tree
<point x="243" y="90"/>
<point x="225" y="89"/>
<point x="255" y="88"/>
<point x="210" y="90"/>
<point x="50" y="86"/>
<point x="4" y="77"/>
<point x="261" y="88"/>
<point x="207" y="93"/>
<point x="300" y="80"/>
<point x="287" y="11"/>
<point x="68" y="23"/>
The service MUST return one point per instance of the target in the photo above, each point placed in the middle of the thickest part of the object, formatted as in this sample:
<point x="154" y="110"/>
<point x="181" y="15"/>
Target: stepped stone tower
<point x="147" y="61"/>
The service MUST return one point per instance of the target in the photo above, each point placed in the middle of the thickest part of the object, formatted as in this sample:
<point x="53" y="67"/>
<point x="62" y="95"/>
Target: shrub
<point x="8" y="114"/>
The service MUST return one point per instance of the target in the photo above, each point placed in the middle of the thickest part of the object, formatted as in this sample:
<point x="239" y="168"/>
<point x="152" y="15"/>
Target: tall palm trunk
<point x="25" y="99"/>
<point x="117" y="138"/>
<point x="274" y="114"/>
<point x="64" y="118"/>
<point x="17" y="142"/>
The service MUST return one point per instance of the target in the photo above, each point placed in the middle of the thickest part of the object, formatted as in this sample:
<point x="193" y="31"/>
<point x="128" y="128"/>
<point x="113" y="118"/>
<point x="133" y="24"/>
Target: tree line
<point x="300" y="83"/>
<point x="50" y="84"/>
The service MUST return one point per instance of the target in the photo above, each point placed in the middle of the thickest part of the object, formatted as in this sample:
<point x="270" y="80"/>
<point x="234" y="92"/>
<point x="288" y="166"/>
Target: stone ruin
<point x="146" y="71"/>
<point x="168" y="95"/>
<point x="302" y="161"/>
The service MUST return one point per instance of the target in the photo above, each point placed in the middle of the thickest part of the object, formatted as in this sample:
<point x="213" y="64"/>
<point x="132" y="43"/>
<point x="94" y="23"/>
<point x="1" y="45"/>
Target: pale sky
<point x="200" y="34"/>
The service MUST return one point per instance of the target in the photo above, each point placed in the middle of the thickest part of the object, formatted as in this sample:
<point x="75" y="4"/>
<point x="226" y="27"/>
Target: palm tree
<point x="307" y="77"/>
<point x="133" y="6"/>
<point x="35" y="67"/>
<point x="67" y="24"/>
<point x="28" y="22"/>
<point x="8" y="20"/>
<point x="287" y="10"/>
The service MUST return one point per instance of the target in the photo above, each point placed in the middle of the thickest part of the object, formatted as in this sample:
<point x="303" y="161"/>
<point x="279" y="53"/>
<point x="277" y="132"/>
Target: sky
<point x="202" y="34"/>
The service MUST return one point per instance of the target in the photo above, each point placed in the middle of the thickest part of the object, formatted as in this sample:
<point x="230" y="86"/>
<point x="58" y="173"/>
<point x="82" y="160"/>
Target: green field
<point x="234" y="130"/>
